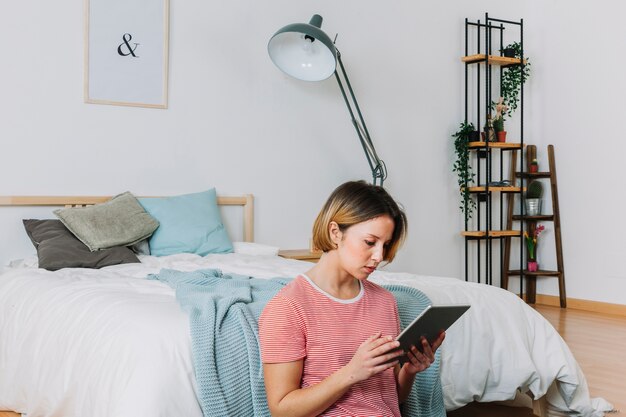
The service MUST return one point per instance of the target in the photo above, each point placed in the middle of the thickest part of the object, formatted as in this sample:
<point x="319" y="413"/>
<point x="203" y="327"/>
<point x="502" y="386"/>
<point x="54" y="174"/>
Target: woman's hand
<point x="420" y="361"/>
<point x="376" y="354"/>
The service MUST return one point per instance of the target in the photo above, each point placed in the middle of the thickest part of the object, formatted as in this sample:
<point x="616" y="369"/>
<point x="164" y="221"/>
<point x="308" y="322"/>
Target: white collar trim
<point x="339" y="300"/>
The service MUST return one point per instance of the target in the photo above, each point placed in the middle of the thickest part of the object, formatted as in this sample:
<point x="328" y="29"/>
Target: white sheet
<point x="109" y="343"/>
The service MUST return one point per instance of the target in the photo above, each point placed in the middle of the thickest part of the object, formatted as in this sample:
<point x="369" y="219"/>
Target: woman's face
<point x="361" y="247"/>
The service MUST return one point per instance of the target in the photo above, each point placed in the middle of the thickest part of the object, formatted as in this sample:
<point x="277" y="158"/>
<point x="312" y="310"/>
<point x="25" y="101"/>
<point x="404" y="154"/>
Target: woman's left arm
<point x="418" y="362"/>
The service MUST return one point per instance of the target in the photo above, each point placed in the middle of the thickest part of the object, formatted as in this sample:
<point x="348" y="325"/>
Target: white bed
<point x="109" y="342"/>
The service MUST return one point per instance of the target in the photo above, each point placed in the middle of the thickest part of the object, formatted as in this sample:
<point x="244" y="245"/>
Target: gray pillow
<point x="121" y="221"/>
<point x="141" y="248"/>
<point x="58" y="248"/>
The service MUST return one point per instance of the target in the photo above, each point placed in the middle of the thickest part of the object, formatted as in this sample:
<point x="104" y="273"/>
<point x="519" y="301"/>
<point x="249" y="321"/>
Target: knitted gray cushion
<point x="121" y="221"/>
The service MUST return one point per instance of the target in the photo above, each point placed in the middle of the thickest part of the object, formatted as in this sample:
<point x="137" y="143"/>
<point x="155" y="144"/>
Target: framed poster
<point x="126" y="52"/>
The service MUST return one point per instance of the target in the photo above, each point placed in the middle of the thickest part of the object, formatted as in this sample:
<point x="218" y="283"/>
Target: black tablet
<point x="429" y="323"/>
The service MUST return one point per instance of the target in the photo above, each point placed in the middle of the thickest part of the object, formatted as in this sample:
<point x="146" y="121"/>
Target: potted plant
<point x="531" y="245"/>
<point x="463" y="168"/>
<point x="498" y="121"/>
<point x="512" y="78"/>
<point x="498" y="126"/>
<point x="534" y="192"/>
<point x="534" y="166"/>
<point x="508" y="52"/>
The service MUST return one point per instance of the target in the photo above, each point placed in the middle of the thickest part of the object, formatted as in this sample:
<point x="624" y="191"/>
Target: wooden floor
<point x="598" y="342"/>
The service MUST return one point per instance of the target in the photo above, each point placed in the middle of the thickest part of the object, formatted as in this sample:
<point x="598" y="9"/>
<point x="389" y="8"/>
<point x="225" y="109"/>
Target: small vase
<point x="532" y="266"/>
<point x="501" y="136"/>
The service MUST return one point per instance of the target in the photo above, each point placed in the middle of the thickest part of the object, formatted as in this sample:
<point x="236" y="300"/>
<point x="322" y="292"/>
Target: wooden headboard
<point x="246" y="201"/>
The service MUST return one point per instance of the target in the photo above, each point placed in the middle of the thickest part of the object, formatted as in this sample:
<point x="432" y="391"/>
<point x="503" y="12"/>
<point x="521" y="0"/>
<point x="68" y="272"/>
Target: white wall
<point x="578" y="82"/>
<point x="236" y="122"/>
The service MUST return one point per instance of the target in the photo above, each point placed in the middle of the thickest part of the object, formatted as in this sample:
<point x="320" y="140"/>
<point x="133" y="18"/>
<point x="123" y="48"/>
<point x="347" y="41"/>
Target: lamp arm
<point x="379" y="170"/>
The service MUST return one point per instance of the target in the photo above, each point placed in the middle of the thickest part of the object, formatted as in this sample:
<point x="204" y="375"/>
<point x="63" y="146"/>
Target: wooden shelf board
<point x="492" y="233"/>
<point x="532" y="174"/>
<point x="493" y="59"/>
<point x="540" y="273"/>
<point x="541" y="217"/>
<point x="497" y="145"/>
<point x="482" y="189"/>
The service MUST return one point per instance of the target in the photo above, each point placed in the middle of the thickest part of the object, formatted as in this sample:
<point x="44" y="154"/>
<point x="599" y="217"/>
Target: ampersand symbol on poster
<point x="130" y="50"/>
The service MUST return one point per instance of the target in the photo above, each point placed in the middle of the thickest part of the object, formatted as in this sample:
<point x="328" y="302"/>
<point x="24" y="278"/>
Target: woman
<point x="327" y="338"/>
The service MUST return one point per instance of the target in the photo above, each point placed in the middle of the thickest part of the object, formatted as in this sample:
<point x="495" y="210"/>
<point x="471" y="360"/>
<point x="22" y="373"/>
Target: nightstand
<point x="300" y="254"/>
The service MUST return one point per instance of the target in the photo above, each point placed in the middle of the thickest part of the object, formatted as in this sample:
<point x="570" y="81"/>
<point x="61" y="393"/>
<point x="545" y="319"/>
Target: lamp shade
<point x="304" y="51"/>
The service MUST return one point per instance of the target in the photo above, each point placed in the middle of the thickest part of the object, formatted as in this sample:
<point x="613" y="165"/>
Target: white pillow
<point x="251" y="248"/>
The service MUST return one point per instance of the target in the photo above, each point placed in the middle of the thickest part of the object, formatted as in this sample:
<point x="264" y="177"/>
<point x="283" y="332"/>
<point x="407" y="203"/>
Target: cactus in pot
<point x="534" y="192"/>
<point x="534" y="189"/>
<point x="498" y="124"/>
<point x="498" y="121"/>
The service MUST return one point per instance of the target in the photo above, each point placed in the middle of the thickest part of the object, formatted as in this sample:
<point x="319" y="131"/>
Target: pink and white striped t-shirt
<point x="304" y="322"/>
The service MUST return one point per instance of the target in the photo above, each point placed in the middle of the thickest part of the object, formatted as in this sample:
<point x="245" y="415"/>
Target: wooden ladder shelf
<point x="531" y="222"/>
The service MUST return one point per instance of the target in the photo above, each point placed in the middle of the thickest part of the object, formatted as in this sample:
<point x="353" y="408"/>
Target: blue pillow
<point x="189" y="223"/>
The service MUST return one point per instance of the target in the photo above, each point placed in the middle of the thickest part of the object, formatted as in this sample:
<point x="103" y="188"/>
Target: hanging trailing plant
<point x="512" y="79"/>
<point x="463" y="168"/>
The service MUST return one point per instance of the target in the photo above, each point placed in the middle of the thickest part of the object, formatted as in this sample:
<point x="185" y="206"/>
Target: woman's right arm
<point x="282" y="380"/>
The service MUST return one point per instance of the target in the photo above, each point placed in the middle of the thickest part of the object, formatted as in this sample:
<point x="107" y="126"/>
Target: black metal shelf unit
<point x="488" y="42"/>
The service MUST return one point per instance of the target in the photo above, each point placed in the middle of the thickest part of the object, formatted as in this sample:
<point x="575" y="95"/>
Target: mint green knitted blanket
<point x="223" y="317"/>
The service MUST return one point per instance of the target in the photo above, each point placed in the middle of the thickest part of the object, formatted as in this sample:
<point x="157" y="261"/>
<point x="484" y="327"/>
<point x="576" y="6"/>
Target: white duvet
<point x="109" y="343"/>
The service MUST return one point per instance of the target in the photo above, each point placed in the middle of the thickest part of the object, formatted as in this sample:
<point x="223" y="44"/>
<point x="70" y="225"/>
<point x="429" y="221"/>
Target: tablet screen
<point x="428" y="324"/>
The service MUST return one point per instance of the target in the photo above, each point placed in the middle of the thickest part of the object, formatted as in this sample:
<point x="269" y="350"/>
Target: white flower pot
<point x="533" y="206"/>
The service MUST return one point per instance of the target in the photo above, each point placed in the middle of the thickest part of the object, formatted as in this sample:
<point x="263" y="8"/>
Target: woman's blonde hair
<point x="355" y="202"/>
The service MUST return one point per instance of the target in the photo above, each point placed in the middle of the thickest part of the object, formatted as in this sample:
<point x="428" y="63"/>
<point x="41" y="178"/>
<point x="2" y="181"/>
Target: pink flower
<point x="501" y="108"/>
<point x="531" y="243"/>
